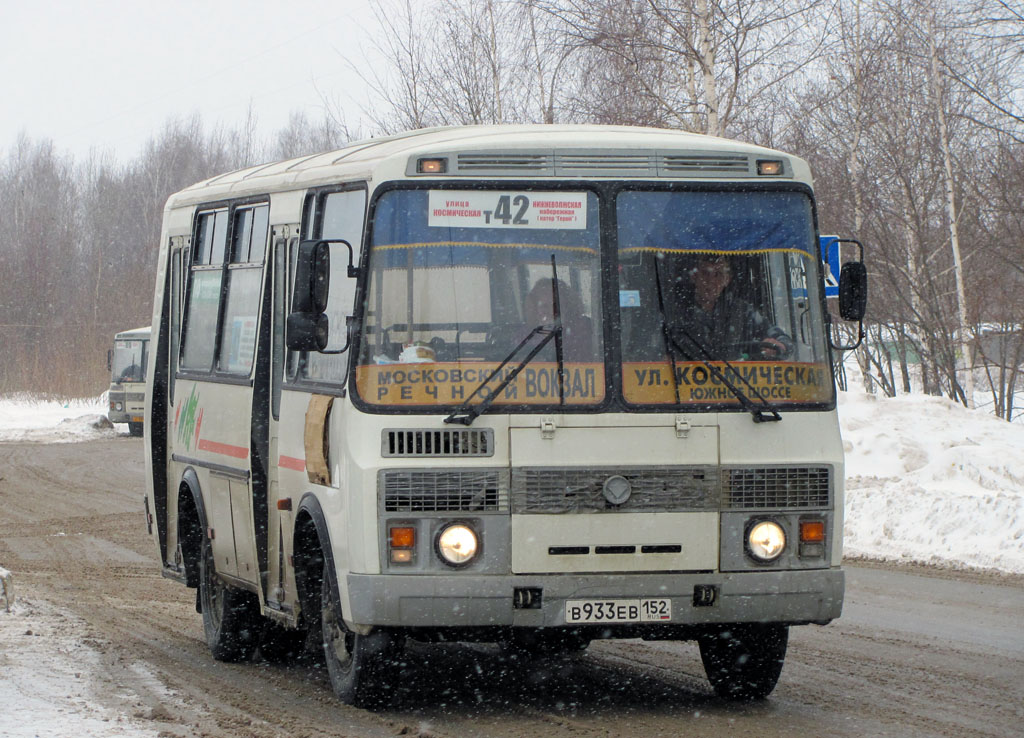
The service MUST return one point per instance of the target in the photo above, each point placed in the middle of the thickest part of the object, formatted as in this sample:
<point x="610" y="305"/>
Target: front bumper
<point x="453" y="601"/>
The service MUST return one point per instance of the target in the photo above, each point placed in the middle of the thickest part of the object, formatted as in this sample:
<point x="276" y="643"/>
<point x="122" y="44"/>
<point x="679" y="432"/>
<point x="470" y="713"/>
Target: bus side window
<point x="340" y="216"/>
<point x="202" y="302"/>
<point x="244" y="277"/>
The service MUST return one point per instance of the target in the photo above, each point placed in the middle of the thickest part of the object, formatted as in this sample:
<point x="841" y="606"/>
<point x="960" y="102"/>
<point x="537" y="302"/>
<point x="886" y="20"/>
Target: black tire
<point x="529" y="643"/>
<point x="281" y="645"/>
<point x="231" y="620"/>
<point x="744" y="662"/>
<point x="356" y="664"/>
<point x="134" y="429"/>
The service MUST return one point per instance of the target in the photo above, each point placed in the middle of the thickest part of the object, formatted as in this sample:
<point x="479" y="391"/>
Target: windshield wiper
<point x="466" y="413"/>
<point x="758" y="413"/>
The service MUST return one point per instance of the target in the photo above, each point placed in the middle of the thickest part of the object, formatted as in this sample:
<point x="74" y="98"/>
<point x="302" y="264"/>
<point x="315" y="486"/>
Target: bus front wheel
<point x="743" y="662"/>
<point x="134" y="429"/>
<point x="230" y="616"/>
<point x="357" y="664"/>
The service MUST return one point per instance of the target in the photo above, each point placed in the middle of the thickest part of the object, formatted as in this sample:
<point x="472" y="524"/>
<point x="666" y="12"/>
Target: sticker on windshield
<point x="489" y="209"/>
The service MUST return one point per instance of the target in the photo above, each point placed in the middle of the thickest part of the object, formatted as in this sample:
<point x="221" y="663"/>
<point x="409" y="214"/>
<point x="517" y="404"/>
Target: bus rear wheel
<point x="230" y="616"/>
<point x="744" y="662"/>
<point x="357" y="664"/>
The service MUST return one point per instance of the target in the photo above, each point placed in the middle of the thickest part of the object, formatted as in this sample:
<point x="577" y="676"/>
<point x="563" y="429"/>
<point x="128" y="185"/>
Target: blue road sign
<point x="830" y="264"/>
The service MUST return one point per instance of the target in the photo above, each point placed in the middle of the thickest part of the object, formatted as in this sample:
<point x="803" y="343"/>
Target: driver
<point x="723" y="323"/>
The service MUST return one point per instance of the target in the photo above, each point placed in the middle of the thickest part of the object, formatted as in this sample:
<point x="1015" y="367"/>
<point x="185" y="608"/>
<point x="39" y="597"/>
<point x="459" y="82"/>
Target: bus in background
<point x="534" y="385"/>
<point x="127" y="365"/>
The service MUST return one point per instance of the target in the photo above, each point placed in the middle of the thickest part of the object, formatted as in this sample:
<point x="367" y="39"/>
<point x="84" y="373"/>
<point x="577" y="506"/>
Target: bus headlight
<point x="766" y="540"/>
<point x="457" y="544"/>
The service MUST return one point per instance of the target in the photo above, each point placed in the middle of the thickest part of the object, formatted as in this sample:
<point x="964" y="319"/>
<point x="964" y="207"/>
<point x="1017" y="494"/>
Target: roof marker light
<point x="432" y="166"/>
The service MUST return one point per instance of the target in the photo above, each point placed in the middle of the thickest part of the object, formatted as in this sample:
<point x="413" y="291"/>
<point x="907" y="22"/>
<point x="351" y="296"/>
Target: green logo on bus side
<point x="188" y="428"/>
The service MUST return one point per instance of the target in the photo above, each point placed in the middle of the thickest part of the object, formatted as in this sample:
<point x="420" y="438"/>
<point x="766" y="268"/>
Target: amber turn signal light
<point x="402" y="537"/>
<point x="812" y="531"/>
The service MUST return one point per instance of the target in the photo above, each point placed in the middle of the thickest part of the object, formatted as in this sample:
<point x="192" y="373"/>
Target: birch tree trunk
<point x="706" y="49"/>
<point x="963" y="332"/>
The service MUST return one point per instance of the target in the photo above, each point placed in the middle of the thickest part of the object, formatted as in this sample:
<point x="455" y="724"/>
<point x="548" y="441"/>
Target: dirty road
<point x="918" y="651"/>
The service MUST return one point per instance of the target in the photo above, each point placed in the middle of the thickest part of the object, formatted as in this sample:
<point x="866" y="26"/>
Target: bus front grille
<point x="429" y="442"/>
<point x="428" y="490"/>
<point x="752" y="488"/>
<point x="571" y="490"/>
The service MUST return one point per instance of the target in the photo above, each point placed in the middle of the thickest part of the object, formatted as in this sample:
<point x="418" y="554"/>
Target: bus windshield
<point x="715" y="283"/>
<point x="129" y="361"/>
<point x="458" y="278"/>
<point x="716" y="288"/>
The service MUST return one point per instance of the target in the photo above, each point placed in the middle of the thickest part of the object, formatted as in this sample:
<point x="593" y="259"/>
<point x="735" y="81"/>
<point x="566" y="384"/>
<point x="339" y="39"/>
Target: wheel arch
<point x="311" y="551"/>
<point x="192" y="524"/>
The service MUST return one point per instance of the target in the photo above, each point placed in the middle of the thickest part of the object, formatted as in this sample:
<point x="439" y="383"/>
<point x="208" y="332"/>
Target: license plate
<point x="645" y="610"/>
<point x="137" y="418"/>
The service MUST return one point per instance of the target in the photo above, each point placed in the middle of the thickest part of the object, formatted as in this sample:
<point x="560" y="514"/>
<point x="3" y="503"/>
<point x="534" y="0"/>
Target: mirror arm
<point x="839" y="347"/>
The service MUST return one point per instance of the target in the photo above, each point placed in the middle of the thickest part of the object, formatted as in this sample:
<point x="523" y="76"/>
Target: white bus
<point x="126" y="363"/>
<point x="454" y="384"/>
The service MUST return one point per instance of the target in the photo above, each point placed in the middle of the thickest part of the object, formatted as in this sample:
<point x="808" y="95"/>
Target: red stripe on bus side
<point x="290" y="462"/>
<point x="225" y="449"/>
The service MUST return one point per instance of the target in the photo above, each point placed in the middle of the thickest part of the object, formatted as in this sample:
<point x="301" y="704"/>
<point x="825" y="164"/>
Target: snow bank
<point x="930" y="481"/>
<point x="40" y="421"/>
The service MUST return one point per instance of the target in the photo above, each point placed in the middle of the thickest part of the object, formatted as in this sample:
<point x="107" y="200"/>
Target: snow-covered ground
<point x="49" y="672"/>
<point x="927" y="481"/>
<point x="28" y="419"/>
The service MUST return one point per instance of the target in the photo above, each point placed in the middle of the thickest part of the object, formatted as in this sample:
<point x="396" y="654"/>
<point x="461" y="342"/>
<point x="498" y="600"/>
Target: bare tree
<point x="704" y="65"/>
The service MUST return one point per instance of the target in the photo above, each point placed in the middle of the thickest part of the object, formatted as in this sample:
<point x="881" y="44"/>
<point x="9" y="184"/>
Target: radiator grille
<point x="596" y="164"/>
<point x="776" y="487"/>
<point x="561" y="490"/>
<point x="424" y="490"/>
<point x="705" y="164"/>
<point x="533" y="163"/>
<point x="429" y="442"/>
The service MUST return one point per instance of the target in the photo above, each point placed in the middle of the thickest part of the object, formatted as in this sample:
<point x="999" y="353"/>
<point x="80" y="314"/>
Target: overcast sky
<point x="107" y="74"/>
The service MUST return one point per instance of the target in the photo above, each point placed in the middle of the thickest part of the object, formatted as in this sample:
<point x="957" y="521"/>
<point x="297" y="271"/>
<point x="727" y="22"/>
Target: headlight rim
<point x="752" y="525"/>
<point x="439" y="551"/>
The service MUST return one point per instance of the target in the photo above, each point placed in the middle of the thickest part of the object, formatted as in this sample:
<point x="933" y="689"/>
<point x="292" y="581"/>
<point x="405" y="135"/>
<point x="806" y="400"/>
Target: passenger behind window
<point x="705" y="314"/>
<point x="577" y="328"/>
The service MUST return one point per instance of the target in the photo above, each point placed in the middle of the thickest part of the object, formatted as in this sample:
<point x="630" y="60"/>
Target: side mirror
<point x="853" y="291"/>
<point x="312" y="277"/>
<point x="110" y="359"/>
<point x="308" y="328"/>
<point x="308" y="331"/>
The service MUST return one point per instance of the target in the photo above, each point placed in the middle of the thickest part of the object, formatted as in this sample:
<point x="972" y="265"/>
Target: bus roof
<point x="515" y="151"/>
<point x="134" y="333"/>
